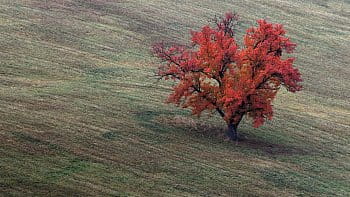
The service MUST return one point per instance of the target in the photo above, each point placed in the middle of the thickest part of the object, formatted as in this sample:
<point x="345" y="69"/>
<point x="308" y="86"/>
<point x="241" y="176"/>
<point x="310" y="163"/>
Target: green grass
<point x="82" y="114"/>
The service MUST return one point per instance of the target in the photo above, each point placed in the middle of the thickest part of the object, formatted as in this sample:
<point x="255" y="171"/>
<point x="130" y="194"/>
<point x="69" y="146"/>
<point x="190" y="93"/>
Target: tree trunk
<point x="232" y="128"/>
<point x="232" y="132"/>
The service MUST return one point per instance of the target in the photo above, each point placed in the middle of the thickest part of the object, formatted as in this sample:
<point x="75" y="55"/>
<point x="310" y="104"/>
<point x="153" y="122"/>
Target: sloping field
<point x="82" y="114"/>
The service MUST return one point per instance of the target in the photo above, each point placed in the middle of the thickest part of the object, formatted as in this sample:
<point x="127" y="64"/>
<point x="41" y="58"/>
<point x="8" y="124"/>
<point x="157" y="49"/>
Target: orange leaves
<point x="215" y="74"/>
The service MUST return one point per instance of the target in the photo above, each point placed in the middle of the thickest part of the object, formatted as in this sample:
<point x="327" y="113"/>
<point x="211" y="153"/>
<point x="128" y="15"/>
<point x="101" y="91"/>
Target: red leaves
<point x="215" y="74"/>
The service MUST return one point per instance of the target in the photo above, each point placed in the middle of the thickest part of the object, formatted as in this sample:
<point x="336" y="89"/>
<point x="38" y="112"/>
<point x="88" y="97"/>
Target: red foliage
<point x="216" y="74"/>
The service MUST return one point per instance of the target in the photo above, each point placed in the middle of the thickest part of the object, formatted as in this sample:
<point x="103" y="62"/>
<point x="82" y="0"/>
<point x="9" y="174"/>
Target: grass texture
<point x="81" y="113"/>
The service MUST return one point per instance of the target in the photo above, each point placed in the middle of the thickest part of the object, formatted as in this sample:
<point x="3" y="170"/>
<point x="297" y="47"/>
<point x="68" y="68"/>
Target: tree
<point x="214" y="73"/>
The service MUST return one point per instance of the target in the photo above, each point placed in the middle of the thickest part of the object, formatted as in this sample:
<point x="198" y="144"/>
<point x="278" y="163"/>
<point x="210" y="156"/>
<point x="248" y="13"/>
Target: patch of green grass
<point x="304" y="184"/>
<point x="74" y="166"/>
<point x="111" y="135"/>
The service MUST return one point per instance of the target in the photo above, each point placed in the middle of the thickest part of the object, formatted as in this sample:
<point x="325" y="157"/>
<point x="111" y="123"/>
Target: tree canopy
<point x="215" y="73"/>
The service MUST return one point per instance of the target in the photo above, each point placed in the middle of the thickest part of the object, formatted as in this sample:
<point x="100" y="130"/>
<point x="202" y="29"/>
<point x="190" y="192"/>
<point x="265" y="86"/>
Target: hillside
<point x="82" y="114"/>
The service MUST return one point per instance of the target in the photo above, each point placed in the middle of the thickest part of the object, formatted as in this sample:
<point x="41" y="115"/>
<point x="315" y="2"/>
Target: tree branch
<point x="222" y="114"/>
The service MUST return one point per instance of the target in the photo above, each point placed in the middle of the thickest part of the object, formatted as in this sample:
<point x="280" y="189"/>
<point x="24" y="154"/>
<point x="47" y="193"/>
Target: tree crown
<point x="216" y="74"/>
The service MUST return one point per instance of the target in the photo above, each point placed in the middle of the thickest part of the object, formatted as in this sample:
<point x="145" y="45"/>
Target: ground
<point x="81" y="112"/>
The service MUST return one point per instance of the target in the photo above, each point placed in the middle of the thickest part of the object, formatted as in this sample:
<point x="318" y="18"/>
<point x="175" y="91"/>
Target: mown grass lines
<point x="82" y="113"/>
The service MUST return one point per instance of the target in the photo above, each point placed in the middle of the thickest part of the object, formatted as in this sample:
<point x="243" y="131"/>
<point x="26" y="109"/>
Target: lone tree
<point x="214" y="73"/>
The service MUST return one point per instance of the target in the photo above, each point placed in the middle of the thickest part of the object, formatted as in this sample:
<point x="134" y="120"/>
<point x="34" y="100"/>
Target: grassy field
<point x="81" y="113"/>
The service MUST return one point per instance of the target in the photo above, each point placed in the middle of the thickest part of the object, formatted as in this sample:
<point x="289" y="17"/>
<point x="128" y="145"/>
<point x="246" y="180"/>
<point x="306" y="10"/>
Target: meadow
<point x="81" y="113"/>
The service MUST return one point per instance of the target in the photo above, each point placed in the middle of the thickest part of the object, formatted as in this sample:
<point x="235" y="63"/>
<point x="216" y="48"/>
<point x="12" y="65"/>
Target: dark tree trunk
<point x="232" y="128"/>
<point x="232" y="132"/>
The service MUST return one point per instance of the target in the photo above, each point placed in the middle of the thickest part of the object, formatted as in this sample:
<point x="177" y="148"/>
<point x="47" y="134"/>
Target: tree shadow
<point x="201" y="129"/>
<point x="270" y="148"/>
